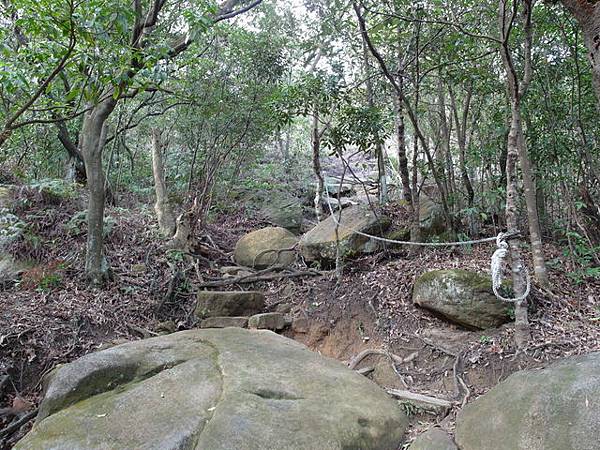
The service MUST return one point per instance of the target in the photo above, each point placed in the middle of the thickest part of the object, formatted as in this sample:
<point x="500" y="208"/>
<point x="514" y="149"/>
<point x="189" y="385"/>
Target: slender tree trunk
<point x="402" y="158"/>
<point x="444" y="156"/>
<point x="93" y="139"/>
<point x="522" y="333"/>
<point x="400" y="126"/>
<point x="461" y="137"/>
<point x="316" y="154"/>
<point x="75" y="167"/>
<point x="383" y="195"/>
<point x="162" y="207"/>
<point x="517" y="88"/>
<point x="535" y="235"/>
<point x="587" y="14"/>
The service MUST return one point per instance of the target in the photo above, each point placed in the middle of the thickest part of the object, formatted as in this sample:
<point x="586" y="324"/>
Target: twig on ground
<point x="17" y="424"/>
<point x="420" y="398"/>
<point x="254" y="278"/>
<point x="462" y="390"/>
<point x="278" y="251"/>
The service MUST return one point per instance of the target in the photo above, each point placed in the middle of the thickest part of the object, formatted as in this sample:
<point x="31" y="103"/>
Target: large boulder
<point x="213" y="390"/>
<point x="431" y="217"/>
<point x="229" y="303"/>
<point x="266" y="247"/>
<point x="320" y="242"/>
<point x="285" y="213"/>
<point x="433" y="439"/>
<point x="557" y="408"/>
<point x="461" y="296"/>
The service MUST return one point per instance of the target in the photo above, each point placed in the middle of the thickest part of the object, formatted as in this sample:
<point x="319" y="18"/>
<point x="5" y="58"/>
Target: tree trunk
<point x="383" y="194"/>
<point x="401" y="130"/>
<point x="402" y="158"/>
<point x="461" y="137"/>
<point x="522" y="333"/>
<point x="162" y="207"/>
<point x="587" y="14"/>
<point x="75" y="167"/>
<point x="516" y="89"/>
<point x="535" y="235"/>
<point x="93" y="139"/>
<point x="316" y="153"/>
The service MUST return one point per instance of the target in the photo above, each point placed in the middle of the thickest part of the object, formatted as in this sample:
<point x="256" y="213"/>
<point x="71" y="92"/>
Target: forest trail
<point x="366" y="319"/>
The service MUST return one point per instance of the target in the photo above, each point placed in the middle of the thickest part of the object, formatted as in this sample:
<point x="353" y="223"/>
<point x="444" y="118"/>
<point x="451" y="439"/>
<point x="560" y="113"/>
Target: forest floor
<point x="51" y="317"/>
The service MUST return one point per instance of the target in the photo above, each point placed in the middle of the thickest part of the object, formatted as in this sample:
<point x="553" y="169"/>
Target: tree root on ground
<point x="258" y="277"/>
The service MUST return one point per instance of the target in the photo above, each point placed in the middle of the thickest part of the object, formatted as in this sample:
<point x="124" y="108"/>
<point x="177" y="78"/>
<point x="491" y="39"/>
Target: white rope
<point x="497" y="262"/>
<point x="496" y="269"/>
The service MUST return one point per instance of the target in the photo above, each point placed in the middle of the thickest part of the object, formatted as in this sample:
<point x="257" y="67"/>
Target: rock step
<point x="229" y="304"/>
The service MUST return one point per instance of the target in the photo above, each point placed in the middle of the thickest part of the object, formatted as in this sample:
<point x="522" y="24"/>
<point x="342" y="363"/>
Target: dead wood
<point x="254" y="278"/>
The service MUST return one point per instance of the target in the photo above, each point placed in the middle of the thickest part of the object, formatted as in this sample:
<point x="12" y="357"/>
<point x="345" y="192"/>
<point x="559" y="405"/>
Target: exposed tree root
<point x="256" y="277"/>
<point x="420" y="398"/>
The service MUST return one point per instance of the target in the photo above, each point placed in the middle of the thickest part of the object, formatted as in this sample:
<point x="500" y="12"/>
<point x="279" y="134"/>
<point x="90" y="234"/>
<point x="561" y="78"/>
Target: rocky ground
<point x="366" y="319"/>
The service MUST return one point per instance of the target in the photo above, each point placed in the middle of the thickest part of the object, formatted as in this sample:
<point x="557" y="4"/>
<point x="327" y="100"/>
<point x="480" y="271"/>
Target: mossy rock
<point x="319" y="244"/>
<point x="461" y="296"/>
<point x="285" y="213"/>
<point x="557" y="408"/>
<point x="55" y="191"/>
<point x="213" y="390"/>
<point x="401" y="234"/>
<point x="78" y="224"/>
<point x="431" y="217"/>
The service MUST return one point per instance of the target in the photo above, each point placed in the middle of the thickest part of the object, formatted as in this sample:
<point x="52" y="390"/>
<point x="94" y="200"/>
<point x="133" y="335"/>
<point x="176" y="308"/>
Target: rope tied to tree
<point x="496" y="266"/>
<point x="497" y="261"/>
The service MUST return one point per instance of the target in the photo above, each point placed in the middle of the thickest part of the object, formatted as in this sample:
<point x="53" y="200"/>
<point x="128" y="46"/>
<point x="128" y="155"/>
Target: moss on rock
<point x="461" y="296"/>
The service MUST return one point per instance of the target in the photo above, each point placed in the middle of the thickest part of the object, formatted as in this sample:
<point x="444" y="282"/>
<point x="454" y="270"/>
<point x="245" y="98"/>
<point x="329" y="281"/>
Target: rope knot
<point x="496" y="266"/>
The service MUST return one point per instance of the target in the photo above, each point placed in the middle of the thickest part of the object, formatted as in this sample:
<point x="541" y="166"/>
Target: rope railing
<point x="497" y="260"/>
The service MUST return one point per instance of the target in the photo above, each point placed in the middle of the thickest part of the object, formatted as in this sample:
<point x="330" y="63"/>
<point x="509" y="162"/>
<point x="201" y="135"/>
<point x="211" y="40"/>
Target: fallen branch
<point x="372" y="351"/>
<point x="274" y="250"/>
<point x="420" y="398"/>
<point x="17" y="424"/>
<point x="4" y="379"/>
<point x="462" y="390"/>
<point x="255" y="278"/>
<point x="365" y="370"/>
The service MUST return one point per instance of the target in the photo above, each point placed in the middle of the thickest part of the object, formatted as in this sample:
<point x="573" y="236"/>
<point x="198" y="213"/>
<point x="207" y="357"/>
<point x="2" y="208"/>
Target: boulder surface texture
<point x="266" y="247"/>
<point x="213" y="390"/>
<point x="557" y="408"/>
<point x="320" y="242"/>
<point x="463" y="297"/>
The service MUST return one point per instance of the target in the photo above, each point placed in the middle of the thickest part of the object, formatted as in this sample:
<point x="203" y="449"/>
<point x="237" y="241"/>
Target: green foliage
<point x="49" y="282"/>
<point x="583" y="255"/>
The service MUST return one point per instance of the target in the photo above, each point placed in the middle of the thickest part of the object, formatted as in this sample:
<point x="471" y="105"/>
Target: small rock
<point x="138" y="268"/>
<point x="283" y="308"/>
<point x="267" y="321"/>
<point x="232" y="270"/>
<point x="224" y="322"/>
<point x="433" y="439"/>
<point x="166" y="327"/>
<point x="230" y="304"/>
<point x="300" y="325"/>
